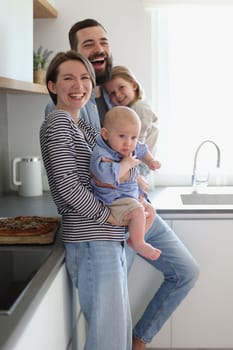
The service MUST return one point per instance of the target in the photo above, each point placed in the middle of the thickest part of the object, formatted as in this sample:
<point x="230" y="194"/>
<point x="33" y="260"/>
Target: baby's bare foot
<point x="145" y="249"/>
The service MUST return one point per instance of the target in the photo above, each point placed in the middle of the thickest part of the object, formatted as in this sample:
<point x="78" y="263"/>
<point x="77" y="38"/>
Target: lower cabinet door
<point x="205" y="317"/>
<point x="50" y="326"/>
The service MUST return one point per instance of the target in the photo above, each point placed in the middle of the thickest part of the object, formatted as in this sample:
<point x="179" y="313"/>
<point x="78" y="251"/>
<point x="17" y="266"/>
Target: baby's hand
<point x="130" y="161"/>
<point x="154" y="164"/>
<point x="126" y="164"/>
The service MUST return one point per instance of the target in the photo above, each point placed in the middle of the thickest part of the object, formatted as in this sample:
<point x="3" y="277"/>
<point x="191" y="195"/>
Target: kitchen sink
<point x="18" y="266"/>
<point x="207" y="198"/>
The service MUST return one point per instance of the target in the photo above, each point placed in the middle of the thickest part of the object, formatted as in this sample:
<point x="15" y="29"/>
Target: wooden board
<point x="46" y="238"/>
<point x="43" y="9"/>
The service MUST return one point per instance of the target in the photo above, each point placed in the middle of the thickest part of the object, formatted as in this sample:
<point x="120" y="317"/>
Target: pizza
<point x="23" y="226"/>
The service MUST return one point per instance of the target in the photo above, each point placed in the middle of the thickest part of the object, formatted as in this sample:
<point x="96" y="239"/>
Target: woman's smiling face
<point x="73" y="86"/>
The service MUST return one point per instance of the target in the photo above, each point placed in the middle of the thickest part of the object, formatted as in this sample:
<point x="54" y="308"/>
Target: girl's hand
<point x="143" y="183"/>
<point x="154" y="164"/>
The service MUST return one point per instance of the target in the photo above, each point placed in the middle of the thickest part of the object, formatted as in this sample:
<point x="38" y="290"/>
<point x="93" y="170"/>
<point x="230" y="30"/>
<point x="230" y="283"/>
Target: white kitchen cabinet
<point x="50" y="327"/>
<point x="205" y="317"/>
<point x="16" y="40"/>
<point x="143" y="281"/>
<point x="202" y="321"/>
<point x="17" y="23"/>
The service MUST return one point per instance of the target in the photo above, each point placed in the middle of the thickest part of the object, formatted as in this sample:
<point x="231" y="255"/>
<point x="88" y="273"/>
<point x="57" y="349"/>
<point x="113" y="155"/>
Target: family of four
<point x="93" y="153"/>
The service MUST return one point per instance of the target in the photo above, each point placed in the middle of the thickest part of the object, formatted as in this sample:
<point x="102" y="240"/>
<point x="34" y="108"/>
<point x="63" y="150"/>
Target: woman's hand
<point x="111" y="220"/>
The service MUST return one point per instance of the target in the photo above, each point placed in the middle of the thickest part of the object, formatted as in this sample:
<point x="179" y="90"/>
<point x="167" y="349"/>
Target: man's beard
<point x="101" y="78"/>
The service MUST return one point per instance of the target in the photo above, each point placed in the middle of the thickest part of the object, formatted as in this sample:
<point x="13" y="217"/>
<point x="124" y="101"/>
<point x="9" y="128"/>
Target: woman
<point x="95" y="254"/>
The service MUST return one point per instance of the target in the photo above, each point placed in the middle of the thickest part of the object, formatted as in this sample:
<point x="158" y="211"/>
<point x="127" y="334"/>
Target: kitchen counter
<point x="167" y="202"/>
<point x="12" y="323"/>
<point x="14" y="205"/>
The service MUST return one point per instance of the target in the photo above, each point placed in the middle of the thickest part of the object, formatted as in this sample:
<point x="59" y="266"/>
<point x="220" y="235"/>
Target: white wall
<point x="25" y="115"/>
<point x="126" y="22"/>
<point x="128" y="27"/>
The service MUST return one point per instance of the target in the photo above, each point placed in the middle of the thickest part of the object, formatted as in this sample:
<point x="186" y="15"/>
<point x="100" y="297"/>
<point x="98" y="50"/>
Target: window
<point x="193" y="84"/>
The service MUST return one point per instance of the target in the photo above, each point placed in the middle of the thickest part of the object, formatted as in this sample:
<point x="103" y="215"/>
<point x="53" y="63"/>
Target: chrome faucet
<point x="196" y="154"/>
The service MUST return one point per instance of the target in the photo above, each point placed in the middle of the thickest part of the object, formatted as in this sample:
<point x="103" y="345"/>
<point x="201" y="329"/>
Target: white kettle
<point x="28" y="170"/>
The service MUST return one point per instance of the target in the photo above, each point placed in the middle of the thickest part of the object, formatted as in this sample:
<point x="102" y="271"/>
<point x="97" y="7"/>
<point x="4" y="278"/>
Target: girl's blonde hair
<point x="126" y="74"/>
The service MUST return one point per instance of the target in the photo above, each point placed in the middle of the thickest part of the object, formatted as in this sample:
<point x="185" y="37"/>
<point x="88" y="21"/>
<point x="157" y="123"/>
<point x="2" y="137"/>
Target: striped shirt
<point x="66" y="149"/>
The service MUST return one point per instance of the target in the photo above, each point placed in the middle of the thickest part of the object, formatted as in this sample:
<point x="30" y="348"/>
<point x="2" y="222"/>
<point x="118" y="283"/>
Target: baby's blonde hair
<point x="120" y="114"/>
<point x="126" y="74"/>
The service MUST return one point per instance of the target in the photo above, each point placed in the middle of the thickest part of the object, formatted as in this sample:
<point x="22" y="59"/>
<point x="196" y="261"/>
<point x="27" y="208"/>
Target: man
<point x="97" y="49"/>
<point x="179" y="269"/>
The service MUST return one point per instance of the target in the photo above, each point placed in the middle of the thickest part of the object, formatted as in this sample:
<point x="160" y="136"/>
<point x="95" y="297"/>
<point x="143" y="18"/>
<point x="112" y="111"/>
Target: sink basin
<point x="17" y="269"/>
<point x="207" y="198"/>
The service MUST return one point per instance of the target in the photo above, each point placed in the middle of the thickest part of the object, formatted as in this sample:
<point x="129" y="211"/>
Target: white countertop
<point x="167" y="201"/>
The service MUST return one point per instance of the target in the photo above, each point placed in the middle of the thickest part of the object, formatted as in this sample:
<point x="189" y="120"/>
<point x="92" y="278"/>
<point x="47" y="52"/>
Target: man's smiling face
<point x="93" y="43"/>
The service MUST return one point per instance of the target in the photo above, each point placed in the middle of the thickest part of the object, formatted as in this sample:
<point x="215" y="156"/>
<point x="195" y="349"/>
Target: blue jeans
<point x="180" y="272"/>
<point x="99" y="270"/>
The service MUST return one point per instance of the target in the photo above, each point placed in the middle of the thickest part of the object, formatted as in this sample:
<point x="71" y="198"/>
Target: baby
<point x="114" y="173"/>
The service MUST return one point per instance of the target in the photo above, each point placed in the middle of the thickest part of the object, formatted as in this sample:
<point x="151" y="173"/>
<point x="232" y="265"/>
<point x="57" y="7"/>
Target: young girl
<point x="125" y="90"/>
